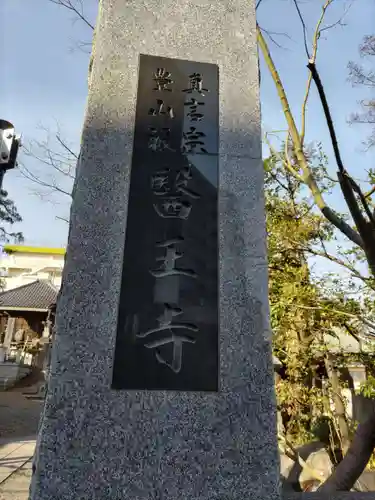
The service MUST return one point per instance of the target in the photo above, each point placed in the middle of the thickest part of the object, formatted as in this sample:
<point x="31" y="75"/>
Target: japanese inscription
<point x="169" y="260"/>
<point x="167" y="332"/>
<point x="163" y="80"/>
<point x="166" y="323"/>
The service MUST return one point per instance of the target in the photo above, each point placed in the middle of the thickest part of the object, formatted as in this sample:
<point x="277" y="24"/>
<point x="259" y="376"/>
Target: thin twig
<point x="352" y="334"/>
<point x="336" y="311"/>
<point x="339" y="22"/>
<point x="369" y="193"/>
<point x="270" y="33"/>
<point x="64" y="145"/>
<point x="304" y="106"/>
<point x="29" y="175"/>
<point x="308" y="177"/>
<point x="68" y="5"/>
<point x="287" y="162"/>
<point x="342" y="263"/>
<point x="61" y="218"/>
<point x="276" y="179"/>
<point x="287" y="165"/>
<point x="311" y="59"/>
<point x="51" y="162"/>
<point x="303" y="26"/>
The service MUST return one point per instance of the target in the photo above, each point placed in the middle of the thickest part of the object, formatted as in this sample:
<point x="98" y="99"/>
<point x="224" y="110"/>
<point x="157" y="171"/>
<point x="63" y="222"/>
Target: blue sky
<point x="44" y="82"/>
<point x="336" y="48"/>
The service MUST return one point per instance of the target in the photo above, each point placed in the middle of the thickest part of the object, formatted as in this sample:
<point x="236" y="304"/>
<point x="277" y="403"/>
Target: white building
<point x="21" y="265"/>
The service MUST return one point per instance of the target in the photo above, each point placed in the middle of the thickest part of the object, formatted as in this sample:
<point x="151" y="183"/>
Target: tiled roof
<point x="39" y="294"/>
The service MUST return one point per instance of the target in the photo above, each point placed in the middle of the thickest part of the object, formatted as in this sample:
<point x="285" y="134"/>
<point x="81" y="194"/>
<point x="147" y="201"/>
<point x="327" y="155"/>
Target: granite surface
<point x="96" y="443"/>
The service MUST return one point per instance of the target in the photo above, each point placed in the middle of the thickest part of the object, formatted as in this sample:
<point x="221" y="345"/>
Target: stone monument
<point x="161" y="382"/>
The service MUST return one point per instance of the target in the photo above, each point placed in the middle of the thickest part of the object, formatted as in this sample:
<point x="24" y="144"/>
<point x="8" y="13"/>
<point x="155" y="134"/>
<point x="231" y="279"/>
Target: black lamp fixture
<point x="9" y="145"/>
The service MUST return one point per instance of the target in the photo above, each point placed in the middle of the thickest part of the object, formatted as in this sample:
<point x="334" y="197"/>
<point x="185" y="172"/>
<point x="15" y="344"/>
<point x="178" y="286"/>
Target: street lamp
<point x="9" y="144"/>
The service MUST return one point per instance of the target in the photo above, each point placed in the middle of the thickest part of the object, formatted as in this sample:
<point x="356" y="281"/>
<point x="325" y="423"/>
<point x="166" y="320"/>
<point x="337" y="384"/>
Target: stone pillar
<point x="9" y="332"/>
<point x="97" y="442"/>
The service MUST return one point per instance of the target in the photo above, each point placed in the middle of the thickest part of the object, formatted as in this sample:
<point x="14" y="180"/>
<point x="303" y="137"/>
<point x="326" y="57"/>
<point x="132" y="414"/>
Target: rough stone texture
<point x="102" y="444"/>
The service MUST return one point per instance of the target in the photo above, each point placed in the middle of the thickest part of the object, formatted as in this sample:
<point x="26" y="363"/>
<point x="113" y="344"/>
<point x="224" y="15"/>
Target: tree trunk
<point x="353" y="464"/>
<point x="339" y="405"/>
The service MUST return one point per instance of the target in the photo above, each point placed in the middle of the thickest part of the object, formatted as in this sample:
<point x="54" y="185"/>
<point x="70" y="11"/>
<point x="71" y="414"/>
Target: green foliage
<point x="306" y="308"/>
<point x="290" y="225"/>
<point x="367" y="388"/>
<point x="8" y="216"/>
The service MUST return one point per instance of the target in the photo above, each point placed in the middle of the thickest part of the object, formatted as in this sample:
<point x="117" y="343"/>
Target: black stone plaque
<point x="167" y="332"/>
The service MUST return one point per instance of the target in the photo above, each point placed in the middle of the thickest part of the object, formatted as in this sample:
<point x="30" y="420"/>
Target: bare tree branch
<point x="78" y="11"/>
<point x="284" y="161"/>
<point x="308" y="178"/>
<point x="312" y="59"/>
<point x="357" y="317"/>
<point x="369" y="193"/>
<point x="65" y="146"/>
<point x="49" y="164"/>
<point x="327" y="113"/>
<point x="355" y="273"/>
<point x="34" y="178"/>
<point x="52" y="158"/>
<point x="361" y="75"/>
<point x="363" y="444"/>
<point x="85" y="47"/>
<point x="304" y="106"/>
<point x="358" y="76"/>
<point x="339" y="21"/>
<point x="304" y="28"/>
<point x="270" y="36"/>
<point x="368" y="46"/>
<point x="62" y="218"/>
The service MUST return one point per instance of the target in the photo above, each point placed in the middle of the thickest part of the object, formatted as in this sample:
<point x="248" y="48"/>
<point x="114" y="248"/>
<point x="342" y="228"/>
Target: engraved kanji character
<point x="193" y="140"/>
<point x="195" y="84"/>
<point x="165" y="322"/>
<point x="158" y="139"/>
<point x="162" y="78"/>
<point x="173" y="208"/>
<point x="182" y="179"/>
<point x="168" y="267"/>
<point x="177" y="341"/>
<point x="160" y="182"/>
<point x="160" y="111"/>
<point x="193" y="112"/>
